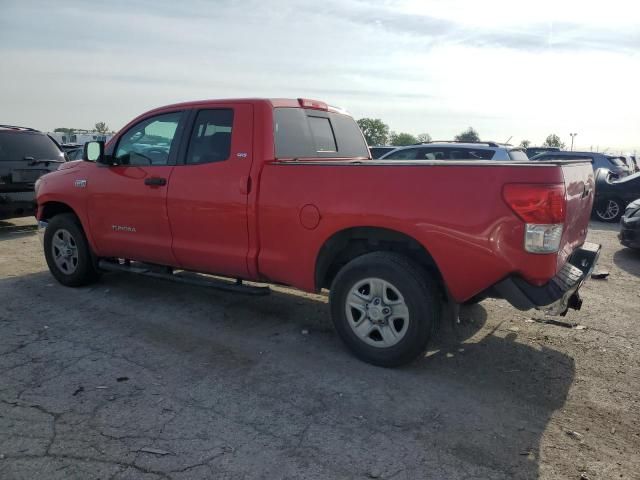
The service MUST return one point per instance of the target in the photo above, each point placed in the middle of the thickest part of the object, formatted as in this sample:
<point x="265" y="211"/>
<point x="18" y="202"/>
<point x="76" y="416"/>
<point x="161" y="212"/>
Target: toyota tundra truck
<point x="284" y="191"/>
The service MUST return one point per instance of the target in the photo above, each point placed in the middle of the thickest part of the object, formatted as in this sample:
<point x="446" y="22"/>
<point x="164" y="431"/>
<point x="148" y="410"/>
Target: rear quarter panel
<point x="455" y="211"/>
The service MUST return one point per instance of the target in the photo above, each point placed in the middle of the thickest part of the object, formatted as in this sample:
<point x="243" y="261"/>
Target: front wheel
<point x="609" y="210"/>
<point x="67" y="252"/>
<point x="385" y="308"/>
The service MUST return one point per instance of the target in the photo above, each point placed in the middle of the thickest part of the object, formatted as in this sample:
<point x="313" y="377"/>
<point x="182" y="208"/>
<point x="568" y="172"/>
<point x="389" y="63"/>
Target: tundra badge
<point x="82" y="183"/>
<point x="123" y="228"/>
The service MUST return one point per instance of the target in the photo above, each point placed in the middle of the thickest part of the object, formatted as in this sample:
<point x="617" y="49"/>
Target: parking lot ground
<point x="134" y="378"/>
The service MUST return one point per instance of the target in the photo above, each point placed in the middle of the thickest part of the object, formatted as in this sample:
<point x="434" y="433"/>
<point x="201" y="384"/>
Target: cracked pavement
<point x="136" y="378"/>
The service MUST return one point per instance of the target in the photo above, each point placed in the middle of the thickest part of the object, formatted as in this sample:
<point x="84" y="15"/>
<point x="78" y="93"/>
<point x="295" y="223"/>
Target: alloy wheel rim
<point x="377" y="312"/>
<point x="65" y="251"/>
<point x="611" y="211"/>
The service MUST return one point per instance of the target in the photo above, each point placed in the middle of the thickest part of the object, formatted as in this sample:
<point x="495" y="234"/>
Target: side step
<point x="189" y="278"/>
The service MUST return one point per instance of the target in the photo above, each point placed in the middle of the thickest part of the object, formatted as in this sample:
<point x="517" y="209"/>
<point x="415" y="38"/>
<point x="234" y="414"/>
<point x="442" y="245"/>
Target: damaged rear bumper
<point x="560" y="293"/>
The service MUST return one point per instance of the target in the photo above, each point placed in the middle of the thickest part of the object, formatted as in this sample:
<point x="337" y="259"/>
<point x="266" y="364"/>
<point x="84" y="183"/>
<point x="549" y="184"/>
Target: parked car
<point x="25" y="155"/>
<point x="75" y="153"/>
<point x="66" y="147"/>
<point x="631" y="163"/>
<point x="613" y="194"/>
<point x="377" y="152"/>
<point x="457" y="151"/>
<point x="615" y="164"/>
<point x="533" y="151"/>
<point x="630" y="226"/>
<point x="284" y="191"/>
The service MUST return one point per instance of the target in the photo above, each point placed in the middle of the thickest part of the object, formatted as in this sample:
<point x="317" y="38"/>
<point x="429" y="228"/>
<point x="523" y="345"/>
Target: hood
<point x="70" y="165"/>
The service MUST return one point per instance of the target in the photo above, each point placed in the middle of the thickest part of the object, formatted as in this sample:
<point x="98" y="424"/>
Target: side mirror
<point x="93" y="152"/>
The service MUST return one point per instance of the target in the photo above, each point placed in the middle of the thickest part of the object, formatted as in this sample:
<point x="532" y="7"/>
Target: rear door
<point x="207" y="202"/>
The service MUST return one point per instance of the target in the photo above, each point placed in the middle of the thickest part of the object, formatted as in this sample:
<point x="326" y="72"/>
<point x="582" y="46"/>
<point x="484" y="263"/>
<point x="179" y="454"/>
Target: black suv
<point x="25" y="155"/>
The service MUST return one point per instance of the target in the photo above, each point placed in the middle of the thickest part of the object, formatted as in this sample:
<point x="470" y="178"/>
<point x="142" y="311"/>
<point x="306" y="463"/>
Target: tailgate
<point x="580" y="186"/>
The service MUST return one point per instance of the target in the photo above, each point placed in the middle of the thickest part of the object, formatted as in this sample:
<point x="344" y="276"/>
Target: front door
<point x="128" y="201"/>
<point x="207" y="201"/>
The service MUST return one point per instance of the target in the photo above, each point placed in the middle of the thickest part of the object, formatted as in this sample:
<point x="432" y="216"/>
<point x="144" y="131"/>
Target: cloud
<point x="419" y="64"/>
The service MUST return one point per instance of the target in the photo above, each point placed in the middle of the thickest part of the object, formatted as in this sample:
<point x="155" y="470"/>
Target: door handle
<point x="155" y="181"/>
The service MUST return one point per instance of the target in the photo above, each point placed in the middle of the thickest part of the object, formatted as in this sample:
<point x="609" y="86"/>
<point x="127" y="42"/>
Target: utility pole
<point x="572" y="137"/>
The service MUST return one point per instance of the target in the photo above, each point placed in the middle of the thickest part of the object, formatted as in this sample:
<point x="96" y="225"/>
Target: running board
<point x="189" y="278"/>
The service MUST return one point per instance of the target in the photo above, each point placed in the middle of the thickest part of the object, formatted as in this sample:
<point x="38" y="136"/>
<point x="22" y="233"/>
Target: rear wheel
<point x="67" y="252"/>
<point x="385" y="308"/>
<point x="609" y="210"/>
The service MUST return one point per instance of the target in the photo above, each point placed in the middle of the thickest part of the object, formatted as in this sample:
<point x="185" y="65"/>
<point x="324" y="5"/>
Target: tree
<point x="102" y="127"/>
<point x="469" y="135"/>
<point x="64" y="130"/>
<point x="424" y="138"/>
<point x="525" y="143"/>
<point x="375" y="131"/>
<point x="553" y="140"/>
<point x="401" y="139"/>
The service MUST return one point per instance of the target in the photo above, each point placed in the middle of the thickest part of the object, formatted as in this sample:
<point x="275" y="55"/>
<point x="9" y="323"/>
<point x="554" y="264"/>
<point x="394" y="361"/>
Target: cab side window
<point x="149" y="142"/>
<point x="211" y="136"/>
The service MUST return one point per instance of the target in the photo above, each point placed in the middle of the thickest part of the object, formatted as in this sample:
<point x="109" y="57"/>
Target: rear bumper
<point x="16" y="204"/>
<point x="560" y="293"/>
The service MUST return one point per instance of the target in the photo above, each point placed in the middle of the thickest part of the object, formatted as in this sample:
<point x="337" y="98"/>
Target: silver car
<point x="458" y="151"/>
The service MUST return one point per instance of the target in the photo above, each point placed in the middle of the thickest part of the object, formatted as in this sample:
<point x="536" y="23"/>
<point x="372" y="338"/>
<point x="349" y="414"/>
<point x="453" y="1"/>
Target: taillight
<point x="543" y="209"/>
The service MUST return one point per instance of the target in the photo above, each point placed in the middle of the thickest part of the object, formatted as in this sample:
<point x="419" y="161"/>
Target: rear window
<point x="302" y="133"/>
<point x="16" y="146"/>
<point x="518" y="155"/>
<point x="619" y="161"/>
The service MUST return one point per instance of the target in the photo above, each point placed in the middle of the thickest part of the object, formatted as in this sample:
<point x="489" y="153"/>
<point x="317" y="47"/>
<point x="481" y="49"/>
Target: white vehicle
<point x="80" y="137"/>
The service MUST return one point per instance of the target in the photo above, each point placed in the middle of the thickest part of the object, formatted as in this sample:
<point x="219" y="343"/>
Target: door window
<point x="211" y="136"/>
<point x="149" y="142"/>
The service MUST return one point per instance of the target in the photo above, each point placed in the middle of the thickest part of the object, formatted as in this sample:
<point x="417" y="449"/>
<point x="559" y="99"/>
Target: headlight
<point x="36" y="186"/>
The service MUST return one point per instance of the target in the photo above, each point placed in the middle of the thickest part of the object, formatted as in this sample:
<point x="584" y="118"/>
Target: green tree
<point x="525" y="143"/>
<point x="375" y="131"/>
<point x="64" y="130"/>
<point x="424" y="138"/>
<point x="102" y="127"/>
<point x="401" y="139"/>
<point x="553" y="140"/>
<point x="469" y="135"/>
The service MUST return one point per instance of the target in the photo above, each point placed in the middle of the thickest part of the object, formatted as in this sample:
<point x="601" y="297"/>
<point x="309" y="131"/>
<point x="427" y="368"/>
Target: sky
<point x="507" y="68"/>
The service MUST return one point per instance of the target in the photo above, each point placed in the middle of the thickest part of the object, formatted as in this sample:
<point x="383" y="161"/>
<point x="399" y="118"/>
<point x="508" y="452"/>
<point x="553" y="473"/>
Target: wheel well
<point x="348" y="244"/>
<point x="51" y="209"/>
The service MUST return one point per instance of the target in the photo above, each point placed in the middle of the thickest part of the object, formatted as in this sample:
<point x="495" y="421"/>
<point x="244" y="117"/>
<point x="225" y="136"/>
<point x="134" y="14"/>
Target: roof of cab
<point x="272" y="102"/>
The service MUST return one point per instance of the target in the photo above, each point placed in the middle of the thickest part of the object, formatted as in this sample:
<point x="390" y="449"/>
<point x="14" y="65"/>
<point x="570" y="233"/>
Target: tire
<point x="609" y="211"/>
<point x="396" y="330"/>
<point x="475" y="299"/>
<point x="68" y="253"/>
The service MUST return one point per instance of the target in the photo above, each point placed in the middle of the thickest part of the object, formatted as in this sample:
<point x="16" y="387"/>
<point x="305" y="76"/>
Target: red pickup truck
<point x="284" y="191"/>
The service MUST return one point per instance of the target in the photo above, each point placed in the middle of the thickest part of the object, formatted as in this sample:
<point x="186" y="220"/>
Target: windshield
<point x="617" y="161"/>
<point x="14" y="147"/>
<point x="518" y="155"/>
